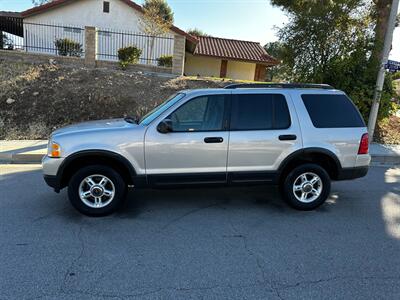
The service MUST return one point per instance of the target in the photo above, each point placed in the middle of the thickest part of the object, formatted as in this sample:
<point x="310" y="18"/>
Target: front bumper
<point x="51" y="165"/>
<point x="50" y="168"/>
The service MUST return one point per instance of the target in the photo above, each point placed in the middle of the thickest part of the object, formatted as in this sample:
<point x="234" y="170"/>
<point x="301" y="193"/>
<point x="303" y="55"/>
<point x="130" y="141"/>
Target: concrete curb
<point x="22" y="151"/>
<point x="386" y="159"/>
<point x="8" y="158"/>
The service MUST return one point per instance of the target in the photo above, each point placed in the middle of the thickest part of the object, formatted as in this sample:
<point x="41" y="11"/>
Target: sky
<point x="251" y="20"/>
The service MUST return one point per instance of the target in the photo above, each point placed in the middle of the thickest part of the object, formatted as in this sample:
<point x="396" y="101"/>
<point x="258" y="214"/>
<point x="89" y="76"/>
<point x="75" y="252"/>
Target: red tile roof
<point x="56" y="3"/>
<point x="234" y="50"/>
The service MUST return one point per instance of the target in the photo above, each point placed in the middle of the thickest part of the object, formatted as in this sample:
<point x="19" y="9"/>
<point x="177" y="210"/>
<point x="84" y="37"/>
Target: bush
<point x="165" y="61"/>
<point x="6" y="43"/>
<point x="67" y="47"/>
<point x="128" y="55"/>
<point x="396" y="75"/>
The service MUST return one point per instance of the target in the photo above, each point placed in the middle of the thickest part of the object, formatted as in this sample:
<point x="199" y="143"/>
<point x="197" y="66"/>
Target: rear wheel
<point x="306" y="187"/>
<point x="96" y="190"/>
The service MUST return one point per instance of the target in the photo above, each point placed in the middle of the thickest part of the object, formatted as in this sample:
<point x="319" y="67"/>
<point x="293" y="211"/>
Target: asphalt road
<point x="226" y="243"/>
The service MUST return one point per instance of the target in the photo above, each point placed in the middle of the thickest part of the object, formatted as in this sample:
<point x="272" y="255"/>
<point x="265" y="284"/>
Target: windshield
<point x="149" y="117"/>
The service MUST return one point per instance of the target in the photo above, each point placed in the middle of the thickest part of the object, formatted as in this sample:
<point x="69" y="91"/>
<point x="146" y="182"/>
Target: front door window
<point x="204" y="113"/>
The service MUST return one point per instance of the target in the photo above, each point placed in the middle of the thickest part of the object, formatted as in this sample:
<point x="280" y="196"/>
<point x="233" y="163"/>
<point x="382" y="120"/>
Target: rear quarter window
<point x="332" y="111"/>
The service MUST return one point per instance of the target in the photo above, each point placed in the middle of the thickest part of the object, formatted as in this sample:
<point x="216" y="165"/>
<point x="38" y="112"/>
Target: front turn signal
<point x="54" y="150"/>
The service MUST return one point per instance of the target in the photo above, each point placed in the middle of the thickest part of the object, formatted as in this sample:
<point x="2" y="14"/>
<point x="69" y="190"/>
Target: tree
<point x="318" y="32"/>
<point x="196" y="32"/>
<point x="162" y="9"/>
<point x="157" y="20"/>
<point x="278" y="51"/>
<point x="40" y="2"/>
<point x="333" y="42"/>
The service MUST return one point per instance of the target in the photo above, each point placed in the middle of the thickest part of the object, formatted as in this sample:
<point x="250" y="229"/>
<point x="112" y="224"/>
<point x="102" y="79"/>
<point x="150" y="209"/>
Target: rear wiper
<point x="132" y="120"/>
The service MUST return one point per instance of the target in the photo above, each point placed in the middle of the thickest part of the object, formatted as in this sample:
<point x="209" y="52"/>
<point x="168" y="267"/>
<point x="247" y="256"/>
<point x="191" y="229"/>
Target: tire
<point x="96" y="180"/>
<point x="300" y="192"/>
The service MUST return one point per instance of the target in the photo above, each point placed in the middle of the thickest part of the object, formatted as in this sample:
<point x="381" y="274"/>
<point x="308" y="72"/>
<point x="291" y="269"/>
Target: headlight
<point x="54" y="150"/>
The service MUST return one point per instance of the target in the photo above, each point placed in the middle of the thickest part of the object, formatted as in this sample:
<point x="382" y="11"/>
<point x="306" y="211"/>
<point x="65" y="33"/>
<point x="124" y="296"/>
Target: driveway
<point x="226" y="243"/>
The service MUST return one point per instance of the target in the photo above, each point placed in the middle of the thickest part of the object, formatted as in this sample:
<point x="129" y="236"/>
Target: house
<point x="111" y="14"/>
<point x="118" y="23"/>
<point x="229" y="58"/>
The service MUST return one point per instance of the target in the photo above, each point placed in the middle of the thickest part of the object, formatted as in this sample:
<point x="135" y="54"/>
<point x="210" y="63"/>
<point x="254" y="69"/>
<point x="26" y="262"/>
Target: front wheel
<point x="306" y="187"/>
<point x="96" y="190"/>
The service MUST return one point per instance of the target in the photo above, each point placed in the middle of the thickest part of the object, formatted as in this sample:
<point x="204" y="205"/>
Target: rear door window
<point x="259" y="112"/>
<point x="332" y="111"/>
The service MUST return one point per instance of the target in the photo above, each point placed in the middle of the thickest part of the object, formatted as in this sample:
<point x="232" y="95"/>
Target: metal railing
<point x="63" y="40"/>
<point x="69" y="40"/>
<point x="152" y="47"/>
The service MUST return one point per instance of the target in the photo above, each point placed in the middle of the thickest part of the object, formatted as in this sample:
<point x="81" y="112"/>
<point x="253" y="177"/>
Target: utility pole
<point x="381" y="74"/>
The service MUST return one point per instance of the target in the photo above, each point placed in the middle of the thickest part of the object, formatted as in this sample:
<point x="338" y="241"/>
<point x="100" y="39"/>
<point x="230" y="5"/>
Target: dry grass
<point x="388" y="131"/>
<point x="397" y="86"/>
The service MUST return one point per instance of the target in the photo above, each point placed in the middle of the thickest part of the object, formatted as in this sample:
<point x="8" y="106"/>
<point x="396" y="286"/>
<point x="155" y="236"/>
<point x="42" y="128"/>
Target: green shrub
<point x="128" y="55"/>
<point x="165" y="61"/>
<point x="396" y="75"/>
<point x="67" y="47"/>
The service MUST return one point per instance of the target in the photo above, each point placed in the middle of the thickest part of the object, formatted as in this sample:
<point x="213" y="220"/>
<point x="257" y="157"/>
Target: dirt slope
<point x="36" y="99"/>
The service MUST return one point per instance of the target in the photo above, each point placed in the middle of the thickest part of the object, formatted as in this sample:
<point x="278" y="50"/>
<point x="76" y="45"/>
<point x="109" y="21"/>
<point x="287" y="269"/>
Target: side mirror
<point x="165" y="126"/>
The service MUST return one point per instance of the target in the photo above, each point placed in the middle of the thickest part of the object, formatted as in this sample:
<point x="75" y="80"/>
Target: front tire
<point x="306" y="187"/>
<point x="96" y="190"/>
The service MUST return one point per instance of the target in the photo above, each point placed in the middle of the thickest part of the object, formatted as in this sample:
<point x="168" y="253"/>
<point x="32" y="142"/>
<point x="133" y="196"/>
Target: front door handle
<point x="287" y="137"/>
<point x="213" y="140"/>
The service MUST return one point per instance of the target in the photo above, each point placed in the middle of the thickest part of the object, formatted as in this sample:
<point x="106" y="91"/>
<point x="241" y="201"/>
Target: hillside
<point x="36" y="99"/>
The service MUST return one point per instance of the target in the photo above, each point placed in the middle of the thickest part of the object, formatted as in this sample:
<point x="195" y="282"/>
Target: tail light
<point x="364" y="144"/>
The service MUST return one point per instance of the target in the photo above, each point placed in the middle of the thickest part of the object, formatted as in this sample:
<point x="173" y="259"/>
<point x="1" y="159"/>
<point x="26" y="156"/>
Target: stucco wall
<point x="90" y="13"/>
<point x="208" y="66"/>
<point x="240" y="70"/>
<point x="203" y="66"/>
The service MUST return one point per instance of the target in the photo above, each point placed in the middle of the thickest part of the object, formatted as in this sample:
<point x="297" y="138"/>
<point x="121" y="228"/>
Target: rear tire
<point x="306" y="187"/>
<point x="96" y="190"/>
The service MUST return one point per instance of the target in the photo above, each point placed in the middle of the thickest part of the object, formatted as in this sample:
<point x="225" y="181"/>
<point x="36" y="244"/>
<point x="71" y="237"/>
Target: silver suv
<point x="297" y="136"/>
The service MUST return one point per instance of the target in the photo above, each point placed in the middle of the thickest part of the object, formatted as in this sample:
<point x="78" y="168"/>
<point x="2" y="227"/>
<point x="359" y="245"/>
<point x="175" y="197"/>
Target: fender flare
<point x="93" y="153"/>
<point x="307" y="151"/>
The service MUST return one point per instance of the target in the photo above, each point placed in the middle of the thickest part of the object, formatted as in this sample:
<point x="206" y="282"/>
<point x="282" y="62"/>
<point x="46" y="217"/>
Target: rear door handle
<point x="213" y="140"/>
<point x="287" y="137"/>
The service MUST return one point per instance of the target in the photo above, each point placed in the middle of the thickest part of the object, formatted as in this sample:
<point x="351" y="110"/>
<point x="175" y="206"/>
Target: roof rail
<point x="279" y="85"/>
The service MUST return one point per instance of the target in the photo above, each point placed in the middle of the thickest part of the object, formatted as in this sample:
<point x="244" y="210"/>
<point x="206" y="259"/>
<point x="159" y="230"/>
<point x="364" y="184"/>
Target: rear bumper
<point x="352" y="173"/>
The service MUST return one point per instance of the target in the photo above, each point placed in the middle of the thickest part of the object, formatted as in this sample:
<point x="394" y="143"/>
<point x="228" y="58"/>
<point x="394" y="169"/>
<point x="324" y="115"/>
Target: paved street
<point x="226" y="243"/>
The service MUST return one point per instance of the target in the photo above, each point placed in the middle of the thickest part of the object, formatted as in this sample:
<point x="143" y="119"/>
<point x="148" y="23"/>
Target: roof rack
<point x="279" y="85"/>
